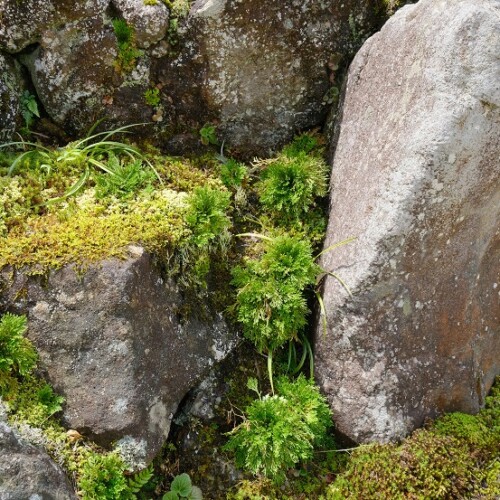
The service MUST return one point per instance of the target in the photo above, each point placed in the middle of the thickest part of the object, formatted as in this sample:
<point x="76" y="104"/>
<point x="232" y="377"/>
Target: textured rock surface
<point x="11" y="87"/>
<point x="28" y="472"/>
<point x="23" y="23"/>
<point x="416" y="178"/>
<point x="72" y="92"/>
<point x="257" y="69"/>
<point x="150" y="22"/>
<point x="112" y="343"/>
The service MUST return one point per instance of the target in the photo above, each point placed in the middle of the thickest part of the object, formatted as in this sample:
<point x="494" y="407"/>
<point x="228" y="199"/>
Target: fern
<point x="140" y="479"/>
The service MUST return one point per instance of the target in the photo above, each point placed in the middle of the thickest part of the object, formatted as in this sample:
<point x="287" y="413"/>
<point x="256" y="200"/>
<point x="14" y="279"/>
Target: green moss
<point x="127" y="48"/>
<point x="456" y="457"/>
<point x="98" y="223"/>
<point x="84" y="234"/>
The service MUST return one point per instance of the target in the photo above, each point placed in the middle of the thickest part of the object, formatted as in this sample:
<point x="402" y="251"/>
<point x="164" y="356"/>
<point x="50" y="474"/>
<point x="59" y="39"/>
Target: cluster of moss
<point x="91" y="226"/>
<point x="456" y="457"/>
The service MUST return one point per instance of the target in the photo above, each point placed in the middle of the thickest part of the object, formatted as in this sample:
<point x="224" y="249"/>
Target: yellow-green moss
<point x="84" y="229"/>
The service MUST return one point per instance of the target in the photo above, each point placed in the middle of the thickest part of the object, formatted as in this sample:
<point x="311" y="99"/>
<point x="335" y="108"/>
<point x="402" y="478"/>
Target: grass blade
<point x="336" y="245"/>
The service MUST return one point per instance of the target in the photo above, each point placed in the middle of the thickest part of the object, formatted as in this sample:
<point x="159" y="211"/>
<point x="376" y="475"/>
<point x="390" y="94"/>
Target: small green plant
<point x="281" y="430"/>
<point x="290" y="183"/>
<point x="94" y="151"/>
<point x="29" y="108"/>
<point x="127" y="49"/>
<point x="270" y="303"/>
<point x="123" y="178"/>
<point x="102" y="477"/>
<point x="182" y="487"/>
<point x="152" y="96"/>
<point x="233" y="173"/>
<point x="207" y="216"/>
<point x="208" y="135"/>
<point x="17" y="354"/>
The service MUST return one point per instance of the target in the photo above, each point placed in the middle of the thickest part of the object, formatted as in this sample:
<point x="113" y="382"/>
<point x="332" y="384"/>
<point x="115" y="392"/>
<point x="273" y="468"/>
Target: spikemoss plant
<point x="279" y="431"/>
<point x="290" y="183"/>
<point x="270" y="303"/>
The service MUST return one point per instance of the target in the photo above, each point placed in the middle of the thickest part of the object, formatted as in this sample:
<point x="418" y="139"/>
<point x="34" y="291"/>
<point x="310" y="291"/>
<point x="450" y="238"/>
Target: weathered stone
<point x="150" y="22"/>
<point x="112" y="342"/>
<point x="72" y="92"/>
<point x="416" y="178"/>
<point x="11" y="87"/>
<point x="24" y="22"/>
<point x="258" y="70"/>
<point x="28" y="472"/>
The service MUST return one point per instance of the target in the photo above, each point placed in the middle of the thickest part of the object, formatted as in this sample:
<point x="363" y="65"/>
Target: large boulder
<point x="258" y="70"/>
<point x="27" y="471"/>
<point x="416" y="179"/>
<point x="113" y="342"/>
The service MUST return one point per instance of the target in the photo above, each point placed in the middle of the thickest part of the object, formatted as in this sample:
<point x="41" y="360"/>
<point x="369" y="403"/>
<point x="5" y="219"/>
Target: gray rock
<point x="112" y="342"/>
<point x="258" y="70"/>
<point x="416" y="178"/>
<point x="150" y="22"/>
<point x="71" y="92"/>
<point x="27" y="472"/>
<point x="24" y="22"/>
<point x="11" y="87"/>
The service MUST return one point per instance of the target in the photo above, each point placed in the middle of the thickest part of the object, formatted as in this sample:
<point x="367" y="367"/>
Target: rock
<point x="23" y="23"/>
<point x="28" y="472"/>
<point x="112" y="342"/>
<point x="150" y="22"/>
<point x="11" y="85"/>
<point x="416" y="179"/>
<point x="71" y="92"/>
<point x="258" y="70"/>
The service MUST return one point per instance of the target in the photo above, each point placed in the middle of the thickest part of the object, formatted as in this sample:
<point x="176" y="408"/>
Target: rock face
<point x="258" y="70"/>
<point x="416" y="178"/>
<point x="112" y="343"/>
<point x="11" y="86"/>
<point x="28" y="472"/>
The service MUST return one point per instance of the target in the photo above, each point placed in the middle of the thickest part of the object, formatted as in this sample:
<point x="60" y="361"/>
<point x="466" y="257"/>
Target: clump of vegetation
<point x="270" y="303"/>
<point x="152" y="96"/>
<point x="102" y="476"/>
<point x="233" y="173"/>
<point x="182" y="487"/>
<point x="207" y="216"/>
<point x="29" y="109"/>
<point x="456" y="457"/>
<point x="281" y="430"/>
<point x="17" y="354"/>
<point x="208" y="135"/>
<point x="291" y="182"/>
<point x="123" y="178"/>
<point x="127" y="48"/>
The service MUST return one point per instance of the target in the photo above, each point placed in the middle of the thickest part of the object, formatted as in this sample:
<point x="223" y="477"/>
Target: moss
<point x="95" y="232"/>
<point x="85" y="229"/>
<point x="456" y="457"/>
